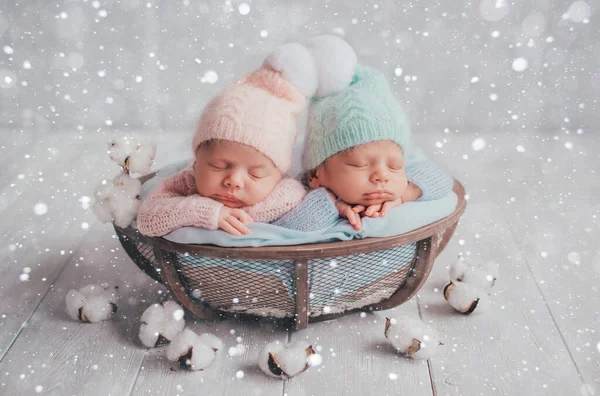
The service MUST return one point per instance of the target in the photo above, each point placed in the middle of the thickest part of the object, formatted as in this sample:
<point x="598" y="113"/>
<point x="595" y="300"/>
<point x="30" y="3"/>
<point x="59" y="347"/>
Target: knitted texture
<point x="175" y="203"/>
<point x="433" y="181"/>
<point x="364" y="112"/>
<point x="260" y="111"/>
<point x="316" y="212"/>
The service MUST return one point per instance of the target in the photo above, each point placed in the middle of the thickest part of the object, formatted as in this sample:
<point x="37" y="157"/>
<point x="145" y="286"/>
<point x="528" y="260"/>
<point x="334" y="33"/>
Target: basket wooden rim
<point x="308" y="251"/>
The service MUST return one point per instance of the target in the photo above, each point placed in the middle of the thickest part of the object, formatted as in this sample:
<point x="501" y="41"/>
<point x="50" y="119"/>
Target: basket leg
<point x="301" y="273"/>
<point x="169" y="275"/>
<point x="424" y="262"/>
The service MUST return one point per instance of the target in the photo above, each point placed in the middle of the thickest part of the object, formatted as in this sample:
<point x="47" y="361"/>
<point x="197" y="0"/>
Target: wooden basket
<point x="301" y="283"/>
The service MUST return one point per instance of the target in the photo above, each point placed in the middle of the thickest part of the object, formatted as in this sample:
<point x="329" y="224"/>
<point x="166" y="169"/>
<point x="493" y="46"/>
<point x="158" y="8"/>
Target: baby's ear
<point x="313" y="179"/>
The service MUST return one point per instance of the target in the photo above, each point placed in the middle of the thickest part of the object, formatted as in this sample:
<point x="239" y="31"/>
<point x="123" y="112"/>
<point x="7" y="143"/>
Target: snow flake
<point x="520" y="64"/>
<point x="40" y="209"/>
<point x="478" y="144"/>
<point x="244" y="8"/>
<point x="239" y="374"/>
<point x="210" y="77"/>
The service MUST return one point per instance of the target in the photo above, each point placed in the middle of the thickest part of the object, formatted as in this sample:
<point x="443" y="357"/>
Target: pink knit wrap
<point x="260" y="111"/>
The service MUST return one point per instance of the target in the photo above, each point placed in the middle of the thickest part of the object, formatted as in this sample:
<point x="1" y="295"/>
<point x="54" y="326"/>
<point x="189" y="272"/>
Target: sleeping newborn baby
<point x="242" y="148"/>
<point x="356" y="149"/>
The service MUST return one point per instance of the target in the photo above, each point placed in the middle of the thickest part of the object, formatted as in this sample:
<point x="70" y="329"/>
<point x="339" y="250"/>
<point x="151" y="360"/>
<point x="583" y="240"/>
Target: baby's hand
<point x="232" y="220"/>
<point x="379" y="210"/>
<point x="345" y="210"/>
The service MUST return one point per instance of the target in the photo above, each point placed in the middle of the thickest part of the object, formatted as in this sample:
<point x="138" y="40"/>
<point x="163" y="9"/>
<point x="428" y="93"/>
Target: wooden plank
<point x="358" y="360"/>
<point x="555" y="221"/>
<point x="40" y="244"/>
<point x="61" y="356"/>
<point x="513" y="349"/>
<point x="516" y="348"/>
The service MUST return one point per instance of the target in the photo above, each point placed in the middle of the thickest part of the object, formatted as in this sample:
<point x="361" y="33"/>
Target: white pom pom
<point x="412" y="337"/>
<point x="335" y="62"/>
<point x="296" y="65"/>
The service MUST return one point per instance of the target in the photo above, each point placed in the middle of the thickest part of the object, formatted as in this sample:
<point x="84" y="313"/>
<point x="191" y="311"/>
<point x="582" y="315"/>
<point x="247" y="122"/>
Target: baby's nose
<point x="233" y="181"/>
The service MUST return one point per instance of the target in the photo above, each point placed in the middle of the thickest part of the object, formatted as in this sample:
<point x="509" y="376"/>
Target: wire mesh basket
<point x="300" y="283"/>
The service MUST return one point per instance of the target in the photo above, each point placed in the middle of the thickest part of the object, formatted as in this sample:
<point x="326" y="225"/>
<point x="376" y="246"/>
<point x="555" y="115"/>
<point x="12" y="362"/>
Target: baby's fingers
<point x="225" y="226"/>
<point x="358" y="208"/>
<point x="372" y="210"/>
<point x="238" y="225"/>
<point x="353" y="218"/>
<point x="243" y="216"/>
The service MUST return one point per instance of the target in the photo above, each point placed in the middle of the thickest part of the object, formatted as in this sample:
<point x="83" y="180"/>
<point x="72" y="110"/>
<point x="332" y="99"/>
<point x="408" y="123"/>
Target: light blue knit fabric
<point x="364" y="112"/>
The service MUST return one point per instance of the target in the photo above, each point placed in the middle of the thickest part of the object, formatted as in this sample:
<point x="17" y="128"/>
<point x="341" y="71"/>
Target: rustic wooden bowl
<point x="300" y="283"/>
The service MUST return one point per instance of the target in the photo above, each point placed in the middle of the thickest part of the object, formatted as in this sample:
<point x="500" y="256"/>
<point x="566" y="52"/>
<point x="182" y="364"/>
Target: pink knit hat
<point x="260" y="110"/>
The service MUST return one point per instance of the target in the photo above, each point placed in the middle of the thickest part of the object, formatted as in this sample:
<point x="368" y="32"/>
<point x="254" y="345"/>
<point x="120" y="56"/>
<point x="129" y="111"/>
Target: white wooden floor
<point x="533" y="208"/>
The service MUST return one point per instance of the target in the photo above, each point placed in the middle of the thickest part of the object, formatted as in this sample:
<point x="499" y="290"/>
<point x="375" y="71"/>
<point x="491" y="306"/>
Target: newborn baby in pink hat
<point x="242" y="147"/>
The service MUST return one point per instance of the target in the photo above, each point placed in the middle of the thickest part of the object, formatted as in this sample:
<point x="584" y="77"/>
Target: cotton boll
<point x="101" y="206"/>
<point x="188" y="349"/>
<point x="458" y="268"/>
<point x="412" y="337"/>
<point x="74" y="302"/>
<point x="125" y="199"/>
<point x="212" y="341"/>
<point x="103" y="211"/>
<point x="141" y="160"/>
<point x="160" y="324"/>
<point x="151" y="326"/>
<point x="121" y="147"/>
<point x="280" y="361"/>
<point x="174" y="321"/>
<point x="466" y="298"/>
<point x="96" y="309"/>
<point x="92" y="303"/>
<point x="482" y="277"/>
<point x="132" y="152"/>
<point x="264" y="360"/>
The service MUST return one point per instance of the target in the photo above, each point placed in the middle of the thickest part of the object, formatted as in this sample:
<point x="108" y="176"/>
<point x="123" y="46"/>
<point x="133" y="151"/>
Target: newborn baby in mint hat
<point x="358" y="148"/>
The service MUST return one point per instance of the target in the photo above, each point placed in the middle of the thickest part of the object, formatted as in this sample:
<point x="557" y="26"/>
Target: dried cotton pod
<point x="283" y="361"/>
<point x="411" y="337"/>
<point x="92" y="303"/>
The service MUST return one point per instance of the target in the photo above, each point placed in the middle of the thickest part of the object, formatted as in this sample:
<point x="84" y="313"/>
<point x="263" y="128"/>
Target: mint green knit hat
<point x="364" y="112"/>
